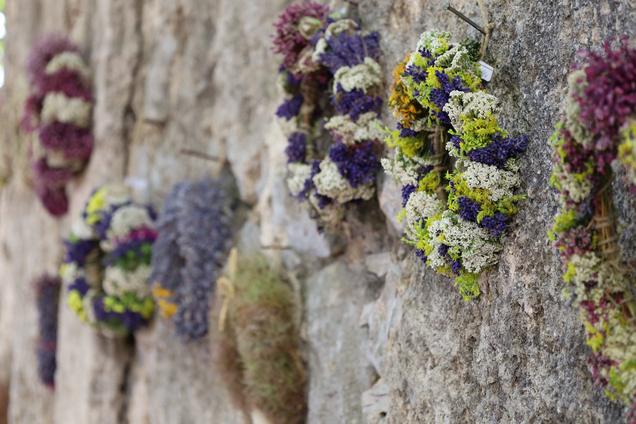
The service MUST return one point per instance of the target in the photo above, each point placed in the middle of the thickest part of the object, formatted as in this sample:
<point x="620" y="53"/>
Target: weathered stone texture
<point x="199" y="75"/>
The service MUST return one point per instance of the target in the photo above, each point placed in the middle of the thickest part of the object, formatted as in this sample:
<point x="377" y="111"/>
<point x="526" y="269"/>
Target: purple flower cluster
<point x="407" y="190"/>
<point x="499" y="151"/>
<point x="355" y="103"/>
<point x="296" y="149"/>
<point x="406" y="132"/>
<point x="349" y="49"/>
<point x="468" y="209"/>
<point x="69" y="142"/>
<point x="358" y="163"/>
<point x="290" y="107"/>
<point x="47" y="296"/>
<point x="195" y="235"/>
<point x="440" y="96"/>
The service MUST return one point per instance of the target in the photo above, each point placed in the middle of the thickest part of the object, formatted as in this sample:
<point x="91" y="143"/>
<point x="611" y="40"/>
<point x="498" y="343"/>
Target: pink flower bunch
<point x="609" y="97"/>
<point x="58" y="111"/>
<point x="289" y="39"/>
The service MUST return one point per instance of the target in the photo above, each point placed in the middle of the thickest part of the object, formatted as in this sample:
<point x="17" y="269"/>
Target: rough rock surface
<point x="199" y="75"/>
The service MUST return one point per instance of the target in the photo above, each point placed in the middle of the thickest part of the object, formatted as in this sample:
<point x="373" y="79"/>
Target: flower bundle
<point x="47" y="298"/>
<point x="333" y="83"/>
<point x="107" y="263"/>
<point x="58" y="110"/>
<point x="597" y="127"/>
<point x="445" y="118"/>
<point x="195" y="235"/>
<point x="260" y="354"/>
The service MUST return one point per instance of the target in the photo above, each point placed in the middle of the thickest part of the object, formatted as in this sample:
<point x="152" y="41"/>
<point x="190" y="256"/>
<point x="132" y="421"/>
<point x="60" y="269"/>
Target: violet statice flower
<point x="406" y="132"/>
<point x="421" y="254"/>
<point x="296" y="147"/>
<point x="440" y="96"/>
<point x="500" y="150"/>
<point x="357" y="163"/>
<point x="456" y="142"/>
<point x="609" y="98"/>
<point x="290" y="107"/>
<point x="355" y="103"/>
<point x="468" y="209"/>
<point x="288" y="39"/>
<point x="407" y="190"/>
<point x="456" y="267"/>
<point x="78" y="250"/>
<point x="423" y="170"/>
<point x="47" y="297"/>
<point x="345" y="49"/>
<point x="195" y="235"/>
<point x="418" y="74"/>
<point x="80" y="285"/>
<point x="495" y="224"/>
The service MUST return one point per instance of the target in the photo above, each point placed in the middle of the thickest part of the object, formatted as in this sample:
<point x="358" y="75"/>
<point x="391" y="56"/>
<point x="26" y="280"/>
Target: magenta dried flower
<point x="609" y="96"/>
<point x="58" y="110"/>
<point x="294" y="29"/>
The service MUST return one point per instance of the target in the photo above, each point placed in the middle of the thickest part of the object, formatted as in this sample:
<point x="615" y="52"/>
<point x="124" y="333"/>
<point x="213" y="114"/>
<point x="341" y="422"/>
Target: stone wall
<point x="386" y="341"/>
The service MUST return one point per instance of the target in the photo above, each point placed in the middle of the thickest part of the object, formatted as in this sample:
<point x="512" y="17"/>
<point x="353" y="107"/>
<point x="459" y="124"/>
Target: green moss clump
<point x="262" y="343"/>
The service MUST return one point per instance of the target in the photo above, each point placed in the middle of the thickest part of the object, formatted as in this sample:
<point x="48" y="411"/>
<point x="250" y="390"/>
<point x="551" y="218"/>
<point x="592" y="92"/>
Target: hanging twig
<point x="201" y="155"/>
<point x="485" y="31"/>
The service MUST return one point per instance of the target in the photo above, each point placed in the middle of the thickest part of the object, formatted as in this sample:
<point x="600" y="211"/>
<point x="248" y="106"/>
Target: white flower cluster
<point x="298" y="173"/>
<point x="478" y="249"/>
<point x="434" y="42"/>
<point x="362" y="76"/>
<point x="578" y="189"/>
<point x="68" y="60"/>
<point x="405" y="169"/>
<point x="118" y="281"/>
<point x="577" y="83"/>
<point x="499" y="183"/>
<point x="419" y="207"/>
<point x="69" y="110"/>
<point x="367" y="127"/>
<point x="329" y="182"/>
<point x="462" y="106"/>
<point x="124" y="220"/>
<point x="455" y="59"/>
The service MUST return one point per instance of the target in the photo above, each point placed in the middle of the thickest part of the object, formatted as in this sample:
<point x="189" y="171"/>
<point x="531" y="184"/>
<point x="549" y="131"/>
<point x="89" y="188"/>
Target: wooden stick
<point x="200" y="155"/>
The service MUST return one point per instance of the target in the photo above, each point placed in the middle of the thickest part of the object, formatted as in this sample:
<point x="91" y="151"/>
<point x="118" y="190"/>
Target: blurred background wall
<point x="386" y="340"/>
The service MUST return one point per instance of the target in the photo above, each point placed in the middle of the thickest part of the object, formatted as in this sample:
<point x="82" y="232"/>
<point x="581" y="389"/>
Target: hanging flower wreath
<point x="333" y="82"/>
<point x="444" y="117"/>
<point x="47" y="298"/>
<point x="195" y="235"/>
<point x="597" y="128"/>
<point x="260" y="353"/>
<point x="59" y="111"/>
<point x="107" y="262"/>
